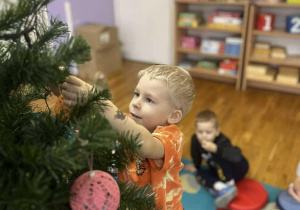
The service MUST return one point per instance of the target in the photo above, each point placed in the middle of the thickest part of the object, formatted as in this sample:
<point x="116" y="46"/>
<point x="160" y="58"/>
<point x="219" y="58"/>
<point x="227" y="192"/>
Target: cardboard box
<point x="99" y="37"/>
<point x="105" y="50"/>
<point x="105" y="61"/>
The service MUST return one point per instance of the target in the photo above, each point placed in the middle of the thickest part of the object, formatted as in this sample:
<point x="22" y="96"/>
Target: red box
<point x="265" y="22"/>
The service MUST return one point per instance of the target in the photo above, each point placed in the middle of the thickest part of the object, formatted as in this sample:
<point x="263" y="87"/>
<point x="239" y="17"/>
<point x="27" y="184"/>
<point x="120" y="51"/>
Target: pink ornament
<point x="95" y="190"/>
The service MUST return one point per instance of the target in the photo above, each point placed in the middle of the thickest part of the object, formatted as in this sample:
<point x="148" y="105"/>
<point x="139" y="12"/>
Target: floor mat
<point x="196" y="197"/>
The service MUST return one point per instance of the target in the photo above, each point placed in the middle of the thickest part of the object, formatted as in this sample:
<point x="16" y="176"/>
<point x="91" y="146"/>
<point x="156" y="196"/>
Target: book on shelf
<point x="262" y="46"/>
<point x="261" y="53"/>
<point x="225" y="20"/>
<point x="257" y="69"/>
<point x="261" y="49"/>
<point x="288" y="75"/>
<point x="187" y="64"/>
<point x="230" y="72"/>
<point x="278" y="52"/>
<point x="268" y="76"/>
<point x="289" y="71"/>
<point x="212" y="46"/>
<point x="190" y="19"/>
<point x="207" y="64"/>
<point x="287" y="80"/>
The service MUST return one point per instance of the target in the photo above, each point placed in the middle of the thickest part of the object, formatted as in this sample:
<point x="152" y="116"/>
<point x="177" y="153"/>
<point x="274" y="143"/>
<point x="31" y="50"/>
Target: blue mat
<point x="196" y="197"/>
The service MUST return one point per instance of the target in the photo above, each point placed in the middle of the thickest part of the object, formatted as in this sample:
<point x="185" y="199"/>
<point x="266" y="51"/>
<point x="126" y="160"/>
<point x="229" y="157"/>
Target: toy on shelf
<point x="212" y="46"/>
<point x="278" y="52"/>
<point x="293" y="24"/>
<point x="190" y="42"/>
<point x="265" y="22"/>
<point x="262" y="49"/>
<point x="288" y="75"/>
<point x="228" y="67"/>
<point x="233" y="45"/>
<point x="190" y="19"/>
<point x="260" y="72"/>
<point x="225" y="20"/>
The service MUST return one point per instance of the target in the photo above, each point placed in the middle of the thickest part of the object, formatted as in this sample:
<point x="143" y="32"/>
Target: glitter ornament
<point x="95" y="190"/>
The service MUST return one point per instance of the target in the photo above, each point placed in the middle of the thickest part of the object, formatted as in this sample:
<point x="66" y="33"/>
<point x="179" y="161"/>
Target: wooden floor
<point x="264" y="124"/>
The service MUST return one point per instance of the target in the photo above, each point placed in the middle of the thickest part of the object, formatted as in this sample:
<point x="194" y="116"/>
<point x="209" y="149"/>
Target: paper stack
<point x="260" y="72"/>
<point x="278" y="52"/>
<point x="288" y="75"/>
<point x="262" y="49"/>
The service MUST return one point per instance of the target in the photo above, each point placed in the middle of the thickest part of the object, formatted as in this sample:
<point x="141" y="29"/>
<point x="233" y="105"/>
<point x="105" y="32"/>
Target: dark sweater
<point x="225" y="151"/>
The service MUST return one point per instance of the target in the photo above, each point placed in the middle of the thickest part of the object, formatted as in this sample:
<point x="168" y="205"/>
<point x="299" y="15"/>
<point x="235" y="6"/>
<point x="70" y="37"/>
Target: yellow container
<point x="293" y="1"/>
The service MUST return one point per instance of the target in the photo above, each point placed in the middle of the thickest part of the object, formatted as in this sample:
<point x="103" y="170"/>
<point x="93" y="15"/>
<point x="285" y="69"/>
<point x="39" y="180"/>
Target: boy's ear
<point x="175" y="117"/>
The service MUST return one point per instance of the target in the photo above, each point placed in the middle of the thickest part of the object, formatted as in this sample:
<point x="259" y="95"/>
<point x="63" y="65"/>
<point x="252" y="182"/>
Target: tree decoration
<point x="95" y="190"/>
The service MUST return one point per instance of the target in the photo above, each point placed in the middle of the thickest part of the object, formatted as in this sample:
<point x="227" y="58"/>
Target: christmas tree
<point x="42" y="153"/>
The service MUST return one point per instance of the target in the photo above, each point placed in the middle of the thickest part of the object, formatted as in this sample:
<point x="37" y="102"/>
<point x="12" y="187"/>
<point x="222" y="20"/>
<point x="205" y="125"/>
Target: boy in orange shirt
<point x="162" y="97"/>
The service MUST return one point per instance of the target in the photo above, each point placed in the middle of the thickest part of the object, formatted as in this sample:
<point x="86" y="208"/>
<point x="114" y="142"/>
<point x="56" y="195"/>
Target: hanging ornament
<point x="95" y="190"/>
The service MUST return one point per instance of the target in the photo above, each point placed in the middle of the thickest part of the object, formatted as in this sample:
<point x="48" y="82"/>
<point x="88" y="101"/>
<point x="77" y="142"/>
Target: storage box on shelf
<point x="281" y="69"/>
<point x="209" y="58"/>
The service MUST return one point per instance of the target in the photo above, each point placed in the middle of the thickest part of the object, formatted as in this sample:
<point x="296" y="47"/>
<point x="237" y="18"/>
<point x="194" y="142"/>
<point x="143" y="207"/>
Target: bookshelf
<point x="278" y="33"/>
<point x="183" y="53"/>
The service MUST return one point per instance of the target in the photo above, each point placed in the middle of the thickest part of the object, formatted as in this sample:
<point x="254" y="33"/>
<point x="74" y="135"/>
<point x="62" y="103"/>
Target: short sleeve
<point x="172" y="139"/>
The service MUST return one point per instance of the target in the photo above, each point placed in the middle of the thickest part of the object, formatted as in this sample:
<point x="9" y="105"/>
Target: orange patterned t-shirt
<point x="165" y="179"/>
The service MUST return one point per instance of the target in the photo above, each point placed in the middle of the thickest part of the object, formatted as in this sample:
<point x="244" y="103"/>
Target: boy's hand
<point x="73" y="88"/>
<point x="294" y="194"/>
<point x="190" y="168"/>
<point x="294" y="189"/>
<point x="209" y="146"/>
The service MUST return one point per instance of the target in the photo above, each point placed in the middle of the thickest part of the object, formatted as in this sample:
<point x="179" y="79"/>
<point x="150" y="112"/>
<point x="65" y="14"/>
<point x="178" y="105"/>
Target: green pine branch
<point x="134" y="197"/>
<point x="41" y="154"/>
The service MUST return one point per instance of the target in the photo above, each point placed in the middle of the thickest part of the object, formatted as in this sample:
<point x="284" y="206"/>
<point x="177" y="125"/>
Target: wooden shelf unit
<point x="292" y="61"/>
<point x="180" y="53"/>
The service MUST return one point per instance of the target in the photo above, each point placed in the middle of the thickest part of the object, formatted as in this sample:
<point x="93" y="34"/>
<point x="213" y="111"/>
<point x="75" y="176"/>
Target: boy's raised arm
<point x="151" y="147"/>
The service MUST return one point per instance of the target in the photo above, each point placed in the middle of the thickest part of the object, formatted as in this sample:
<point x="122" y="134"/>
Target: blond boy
<point x="162" y="97"/>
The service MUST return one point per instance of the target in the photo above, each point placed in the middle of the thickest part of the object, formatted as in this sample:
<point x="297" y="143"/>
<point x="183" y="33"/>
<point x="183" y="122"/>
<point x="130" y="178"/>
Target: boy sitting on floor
<point x="226" y="163"/>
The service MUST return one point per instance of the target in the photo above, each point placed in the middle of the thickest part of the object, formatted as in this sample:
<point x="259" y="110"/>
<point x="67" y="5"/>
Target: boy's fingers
<point x="69" y="102"/>
<point x="70" y="87"/>
<point x="293" y="194"/>
<point x="69" y="95"/>
<point x="74" y="80"/>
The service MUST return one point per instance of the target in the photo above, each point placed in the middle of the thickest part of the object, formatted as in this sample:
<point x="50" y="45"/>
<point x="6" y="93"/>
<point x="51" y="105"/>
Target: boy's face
<point x="150" y="105"/>
<point x="206" y="131"/>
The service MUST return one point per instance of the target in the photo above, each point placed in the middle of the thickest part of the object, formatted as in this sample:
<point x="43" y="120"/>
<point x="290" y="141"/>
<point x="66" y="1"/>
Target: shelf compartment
<point x="207" y="28"/>
<point x="277" y="32"/>
<point x="198" y="52"/>
<point x="289" y="61"/>
<point x="211" y="75"/>
<point x="279" y="5"/>
<point x="276" y="86"/>
<point x="224" y="2"/>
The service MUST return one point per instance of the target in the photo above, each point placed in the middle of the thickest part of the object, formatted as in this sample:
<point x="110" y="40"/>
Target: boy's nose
<point x="136" y="104"/>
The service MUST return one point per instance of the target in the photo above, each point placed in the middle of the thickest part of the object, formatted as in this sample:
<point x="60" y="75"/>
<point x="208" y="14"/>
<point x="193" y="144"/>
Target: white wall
<point x="146" y="29"/>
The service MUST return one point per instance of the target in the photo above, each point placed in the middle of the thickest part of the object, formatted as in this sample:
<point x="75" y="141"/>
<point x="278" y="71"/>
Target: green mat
<point x="197" y="198"/>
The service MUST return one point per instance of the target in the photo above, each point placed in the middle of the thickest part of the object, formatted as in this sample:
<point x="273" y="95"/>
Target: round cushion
<point x="285" y="201"/>
<point x="251" y="196"/>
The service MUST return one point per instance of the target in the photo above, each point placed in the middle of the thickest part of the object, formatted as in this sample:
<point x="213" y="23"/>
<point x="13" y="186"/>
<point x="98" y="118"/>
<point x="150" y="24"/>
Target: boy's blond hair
<point x="179" y="82"/>
<point x="207" y="116"/>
